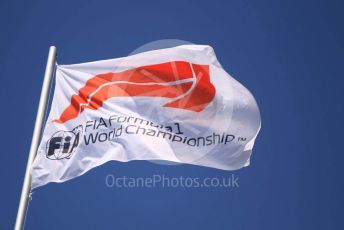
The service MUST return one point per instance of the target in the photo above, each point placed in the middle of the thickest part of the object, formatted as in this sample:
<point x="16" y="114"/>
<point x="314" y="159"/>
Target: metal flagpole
<point x="25" y="195"/>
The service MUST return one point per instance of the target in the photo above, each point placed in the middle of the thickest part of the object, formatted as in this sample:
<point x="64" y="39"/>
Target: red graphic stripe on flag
<point x="188" y="83"/>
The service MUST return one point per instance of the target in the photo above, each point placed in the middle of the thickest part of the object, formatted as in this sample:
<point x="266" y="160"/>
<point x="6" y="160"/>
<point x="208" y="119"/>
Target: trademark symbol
<point x="241" y="138"/>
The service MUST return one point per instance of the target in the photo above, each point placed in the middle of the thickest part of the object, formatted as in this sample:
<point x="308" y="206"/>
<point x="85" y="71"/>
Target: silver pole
<point x="25" y="195"/>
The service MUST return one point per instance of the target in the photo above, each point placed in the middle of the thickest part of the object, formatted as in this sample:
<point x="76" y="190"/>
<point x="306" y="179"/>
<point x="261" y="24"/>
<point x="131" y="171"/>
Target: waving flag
<point x="176" y="104"/>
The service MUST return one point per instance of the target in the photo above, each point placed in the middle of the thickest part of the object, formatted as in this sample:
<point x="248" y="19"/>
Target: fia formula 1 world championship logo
<point x="63" y="144"/>
<point x="186" y="84"/>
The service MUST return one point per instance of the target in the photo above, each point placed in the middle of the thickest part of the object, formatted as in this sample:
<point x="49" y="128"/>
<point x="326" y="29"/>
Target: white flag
<point x="176" y="104"/>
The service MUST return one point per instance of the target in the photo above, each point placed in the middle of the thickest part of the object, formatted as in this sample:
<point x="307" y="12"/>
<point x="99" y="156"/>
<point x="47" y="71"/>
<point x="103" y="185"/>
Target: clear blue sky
<point x="288" y="53"/>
